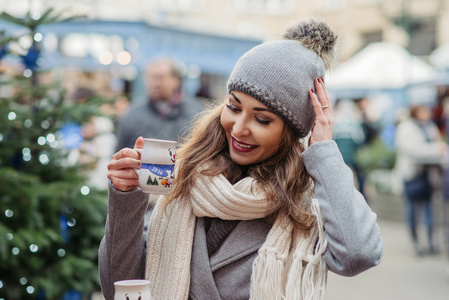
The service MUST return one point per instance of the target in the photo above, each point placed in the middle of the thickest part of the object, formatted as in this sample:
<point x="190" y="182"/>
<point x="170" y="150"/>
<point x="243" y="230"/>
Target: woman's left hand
<point x="322" y="105"/>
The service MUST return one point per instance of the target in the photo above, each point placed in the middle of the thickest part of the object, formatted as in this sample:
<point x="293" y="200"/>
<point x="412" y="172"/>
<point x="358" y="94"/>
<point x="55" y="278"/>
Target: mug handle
<point x="139" y="150"/>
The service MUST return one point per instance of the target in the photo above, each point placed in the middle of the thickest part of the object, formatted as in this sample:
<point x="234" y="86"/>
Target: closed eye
<point x="263" y="121"/>
<point x="231" y="107"/>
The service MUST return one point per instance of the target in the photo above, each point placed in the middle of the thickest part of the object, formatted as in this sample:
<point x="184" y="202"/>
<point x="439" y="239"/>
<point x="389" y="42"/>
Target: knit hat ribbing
<point x="280" y="73"/>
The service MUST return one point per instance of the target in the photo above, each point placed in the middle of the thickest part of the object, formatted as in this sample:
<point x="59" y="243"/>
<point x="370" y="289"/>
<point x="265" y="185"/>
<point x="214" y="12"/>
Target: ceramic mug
<point x="135" y="289"/>
<point x="157" y="173"/>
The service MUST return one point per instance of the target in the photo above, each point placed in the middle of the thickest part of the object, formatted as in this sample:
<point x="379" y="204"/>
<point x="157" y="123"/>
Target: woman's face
<point x="254" y="133"/>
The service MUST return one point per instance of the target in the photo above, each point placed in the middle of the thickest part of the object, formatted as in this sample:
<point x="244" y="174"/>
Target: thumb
<point x="139" y="143"/>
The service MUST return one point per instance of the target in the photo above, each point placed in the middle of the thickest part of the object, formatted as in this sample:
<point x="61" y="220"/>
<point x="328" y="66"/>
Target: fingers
<point x="316" y="104"/>
<point x="139" y="143"/>
<point x="124" y="179"/>
<point x="119" y="162"/>
<point x="320" y="100"/>
<point x="121" y="168"/>
<point x="323" y="127"/>
<point x="122" y="175"/>
<point x="323" y="97"/>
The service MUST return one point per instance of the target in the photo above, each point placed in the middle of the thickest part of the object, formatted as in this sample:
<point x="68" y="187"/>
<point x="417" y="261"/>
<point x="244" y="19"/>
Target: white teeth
<point x="243" y="146"/>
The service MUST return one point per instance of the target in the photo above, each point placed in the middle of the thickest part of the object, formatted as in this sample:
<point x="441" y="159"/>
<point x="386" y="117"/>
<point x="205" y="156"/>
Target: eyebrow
<point x="255" y="108"/>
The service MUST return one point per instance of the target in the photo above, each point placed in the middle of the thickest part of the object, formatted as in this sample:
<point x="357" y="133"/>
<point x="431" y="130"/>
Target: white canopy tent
<point x="440" y="57"/>
<point x="387" y="74"/>
<point x="381" y="66"/>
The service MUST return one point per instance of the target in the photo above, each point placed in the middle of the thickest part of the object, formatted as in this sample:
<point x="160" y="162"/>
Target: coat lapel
<point x="202" y="283"/>
<point x="246" y="238"/>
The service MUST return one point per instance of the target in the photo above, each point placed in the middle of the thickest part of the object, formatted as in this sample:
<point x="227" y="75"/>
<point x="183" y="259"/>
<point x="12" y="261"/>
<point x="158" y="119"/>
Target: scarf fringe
<point x="295" y="278"/>
<point x="267" y="277"/>
<point x="315" y="273"/>
<point x="309" y="283"/>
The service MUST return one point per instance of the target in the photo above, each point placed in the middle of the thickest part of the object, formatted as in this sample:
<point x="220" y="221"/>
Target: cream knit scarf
<point x="289" y="264"/>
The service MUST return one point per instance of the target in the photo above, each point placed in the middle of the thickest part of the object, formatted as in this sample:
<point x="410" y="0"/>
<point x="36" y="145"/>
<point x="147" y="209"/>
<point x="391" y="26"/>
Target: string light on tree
<point x="27" y="73"/>
<point x="27" y="123"/>
<point x="41" y="140"/>
<point x="61" y="252"/>
<point x="26" y="152"/>
<point x="30" y="290"/>
<point x="44" y="159"/>
<point x="71" y="222"/>
<point x="85" y="190"/>
<point x="34" y="248"/>
<point x="12" y="116"/>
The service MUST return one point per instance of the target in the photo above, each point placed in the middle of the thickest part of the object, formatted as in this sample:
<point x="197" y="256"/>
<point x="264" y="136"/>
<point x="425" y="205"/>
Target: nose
<point x="241" y="127"/>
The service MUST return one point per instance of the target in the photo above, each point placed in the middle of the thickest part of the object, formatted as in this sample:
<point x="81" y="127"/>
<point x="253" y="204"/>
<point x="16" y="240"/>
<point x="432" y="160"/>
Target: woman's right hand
<point x="121" y="168"/>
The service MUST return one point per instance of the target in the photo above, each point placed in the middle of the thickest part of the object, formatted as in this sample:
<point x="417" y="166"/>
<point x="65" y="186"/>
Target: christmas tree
<point x="51" y="222"/>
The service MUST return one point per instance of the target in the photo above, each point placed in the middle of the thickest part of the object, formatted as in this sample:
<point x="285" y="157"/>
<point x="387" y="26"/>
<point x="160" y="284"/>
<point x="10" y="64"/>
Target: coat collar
<point x="246" y="238"/>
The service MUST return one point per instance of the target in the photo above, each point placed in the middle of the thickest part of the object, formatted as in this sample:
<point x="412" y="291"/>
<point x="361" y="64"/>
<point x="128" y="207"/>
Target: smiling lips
<point x="242" y="147"/>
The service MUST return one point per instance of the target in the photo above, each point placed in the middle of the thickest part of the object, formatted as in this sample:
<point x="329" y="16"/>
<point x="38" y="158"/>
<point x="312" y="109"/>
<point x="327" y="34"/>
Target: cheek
<point x="272" y="139"/>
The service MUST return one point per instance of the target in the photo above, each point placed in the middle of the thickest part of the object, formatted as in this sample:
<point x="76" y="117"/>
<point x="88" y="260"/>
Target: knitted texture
<point x="280" y="73"/>
<point x="288" y="266"/>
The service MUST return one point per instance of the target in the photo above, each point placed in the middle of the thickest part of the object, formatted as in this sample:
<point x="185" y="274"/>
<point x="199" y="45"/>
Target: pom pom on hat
<point x="316" y="36"/>
<point x="280" y="73"/>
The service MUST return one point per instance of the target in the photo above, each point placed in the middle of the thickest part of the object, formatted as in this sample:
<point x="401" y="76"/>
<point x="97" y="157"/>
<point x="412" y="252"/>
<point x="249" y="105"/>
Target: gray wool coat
<point x="354" y="240"/>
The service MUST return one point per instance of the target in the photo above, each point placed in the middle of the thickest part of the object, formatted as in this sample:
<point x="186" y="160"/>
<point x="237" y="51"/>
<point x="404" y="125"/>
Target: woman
<point x="420" y="151"/>
<point x="253" y="213"/>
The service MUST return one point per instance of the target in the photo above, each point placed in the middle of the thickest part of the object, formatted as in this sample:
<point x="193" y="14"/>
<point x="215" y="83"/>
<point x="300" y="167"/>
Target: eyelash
<point x="231" y="107"/>
<point x="234" y="109"/>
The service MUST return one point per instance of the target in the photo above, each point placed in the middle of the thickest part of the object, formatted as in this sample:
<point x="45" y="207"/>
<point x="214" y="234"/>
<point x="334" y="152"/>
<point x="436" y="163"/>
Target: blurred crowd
<point x="418" y="141"/>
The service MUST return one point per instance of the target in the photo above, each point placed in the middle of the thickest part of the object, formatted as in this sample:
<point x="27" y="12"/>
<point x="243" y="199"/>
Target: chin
<point x="241" y="161"/>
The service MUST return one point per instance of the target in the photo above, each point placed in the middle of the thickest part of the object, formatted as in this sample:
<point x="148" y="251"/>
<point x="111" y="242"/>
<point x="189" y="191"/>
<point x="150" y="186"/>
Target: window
<point x="176" y="5"/>
<point x="264" y="7"/>
<point x="333" y="5"/>
<point x="369" y="2"/>
<point x="422" y="36"/>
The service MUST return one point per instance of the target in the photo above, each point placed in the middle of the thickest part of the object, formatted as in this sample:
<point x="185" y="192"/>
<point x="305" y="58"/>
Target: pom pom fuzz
<point x="316" y="36"/>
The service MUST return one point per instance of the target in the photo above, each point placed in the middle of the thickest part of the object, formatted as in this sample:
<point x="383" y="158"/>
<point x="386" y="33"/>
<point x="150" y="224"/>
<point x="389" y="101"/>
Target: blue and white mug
<point x="157" y="173"/>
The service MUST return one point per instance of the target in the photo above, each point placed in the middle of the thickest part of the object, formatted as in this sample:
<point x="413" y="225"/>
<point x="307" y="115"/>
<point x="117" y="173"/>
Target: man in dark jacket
<point x="167" y="112"/>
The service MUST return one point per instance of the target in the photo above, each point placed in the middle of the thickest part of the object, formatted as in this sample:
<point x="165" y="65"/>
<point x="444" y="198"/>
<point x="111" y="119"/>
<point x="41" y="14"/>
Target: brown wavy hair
<point x="282" y="177"/>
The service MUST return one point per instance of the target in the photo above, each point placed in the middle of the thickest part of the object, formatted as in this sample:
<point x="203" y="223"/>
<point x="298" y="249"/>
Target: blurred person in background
<point x="98" y="142"/>
<point x="444" y="100"/>
<point x="349" y="135"/>
<point x="369" y="118"/>
<point x="165" y="113"/>
<point x="420" y="151"/>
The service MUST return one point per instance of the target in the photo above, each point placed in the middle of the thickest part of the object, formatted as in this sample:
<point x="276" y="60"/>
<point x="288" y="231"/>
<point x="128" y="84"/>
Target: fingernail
<point x="322" y="80"/>
<point x="312" y="90"/>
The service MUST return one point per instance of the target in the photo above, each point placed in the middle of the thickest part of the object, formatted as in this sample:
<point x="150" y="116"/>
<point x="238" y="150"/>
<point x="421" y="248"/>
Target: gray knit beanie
<point x="280" y="73"/>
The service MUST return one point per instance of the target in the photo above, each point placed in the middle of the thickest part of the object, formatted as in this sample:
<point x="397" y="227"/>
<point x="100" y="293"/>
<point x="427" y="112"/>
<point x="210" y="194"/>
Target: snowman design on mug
<point x="161" y="174"/>
<point x="136" y="297"/>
